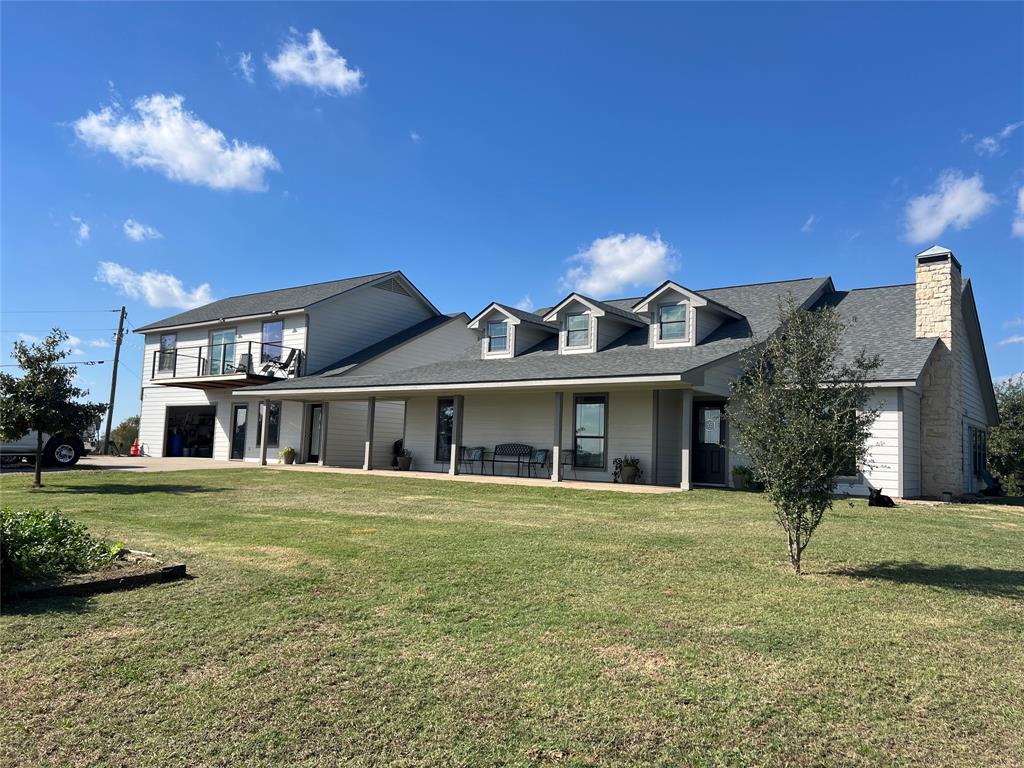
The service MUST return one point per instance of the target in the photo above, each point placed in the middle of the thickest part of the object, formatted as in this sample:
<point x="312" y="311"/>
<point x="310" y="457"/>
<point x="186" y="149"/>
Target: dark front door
<point x="239" y="416"/>
<point x="316" y="423"/>
<point x="709" y="457"/>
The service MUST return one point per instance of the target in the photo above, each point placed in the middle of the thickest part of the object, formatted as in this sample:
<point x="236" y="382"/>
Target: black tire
<point x="62" y="451"/>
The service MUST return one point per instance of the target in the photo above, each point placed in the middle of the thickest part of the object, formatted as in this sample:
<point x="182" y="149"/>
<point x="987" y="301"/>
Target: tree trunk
<point x="38" y="482"/>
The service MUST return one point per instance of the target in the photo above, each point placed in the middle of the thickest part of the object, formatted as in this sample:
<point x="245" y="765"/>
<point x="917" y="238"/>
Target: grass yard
<point x="336" y="619"/>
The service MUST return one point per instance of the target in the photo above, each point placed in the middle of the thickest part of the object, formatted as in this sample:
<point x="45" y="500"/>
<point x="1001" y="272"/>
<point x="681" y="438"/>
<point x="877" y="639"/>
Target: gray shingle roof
<point x="882" y="321"/>
<point x="527" y="317"/>
<point x="614" y="307"/>
<point x="630" y="355"/>
<point x="264" y="302"/>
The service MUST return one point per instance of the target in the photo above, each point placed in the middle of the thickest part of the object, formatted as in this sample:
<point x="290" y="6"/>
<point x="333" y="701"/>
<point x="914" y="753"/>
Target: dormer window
<point x="577" y="329"/>
<point x="672" y="322"/>
<point x="497" y="336"/>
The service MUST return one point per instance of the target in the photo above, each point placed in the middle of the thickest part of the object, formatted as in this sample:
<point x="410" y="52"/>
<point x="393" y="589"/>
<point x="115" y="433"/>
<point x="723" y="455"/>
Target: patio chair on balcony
<point x="273" y="367"/>
<point x="244" y="363"/>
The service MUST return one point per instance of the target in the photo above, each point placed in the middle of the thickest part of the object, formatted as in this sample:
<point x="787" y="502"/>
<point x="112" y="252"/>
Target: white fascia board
<point x="493" y="307"/>
<point x="673" y="378"/>
<point x="595" y="310"/>
<point x="223" y="320"/>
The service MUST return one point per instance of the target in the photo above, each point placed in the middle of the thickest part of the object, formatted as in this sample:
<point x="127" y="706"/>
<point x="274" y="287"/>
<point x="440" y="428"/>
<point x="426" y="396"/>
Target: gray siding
<point x="883" y="448"/>
<point x="346" y="432"/>
<point x="442" y="343"/>
<point x="344" y="324"/>
<point x="669" y="439"/>
<point x="527" y="338"/>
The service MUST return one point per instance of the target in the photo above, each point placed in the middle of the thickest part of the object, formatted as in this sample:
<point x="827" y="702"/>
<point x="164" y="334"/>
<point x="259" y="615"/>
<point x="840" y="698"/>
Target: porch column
<point x="556" y="441"/>
<point x="685" y="482"/>
<point x="264" y="430"/>
<point x="458" y="403"/>
<point x="325" y="408"/>
<point x="371" y="408"/>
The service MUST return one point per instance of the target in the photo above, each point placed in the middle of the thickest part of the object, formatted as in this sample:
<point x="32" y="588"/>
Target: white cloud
<point x="993" y="145"/>
<point x="82" y="233"/>
<point x="1014" y="323"/>
<point x="162" y="135"/>
<point x="314" y="63"/>
<point x="416" y="138"/>
<point x="1018" y="218"/>
<point x="137" y="231"/>
<point x="956" y="201"/>
<point x="525" y="304"/>
<point x="245" y="66"/>
<point x="28" y="338"/>
<point x="808" y="224"/>
<point x="612" y="263"/>
<point x="1017" y="339"/>
<point x="72" y="344"/>
<point x="99" y="343"/>
<point x="158" y="289"/>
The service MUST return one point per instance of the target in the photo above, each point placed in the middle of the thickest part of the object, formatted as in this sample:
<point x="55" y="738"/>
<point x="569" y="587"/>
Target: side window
<point x="497" y="336"/>
<point x="273" y="336"/>
<point x="445" y="421"/>
<point x="168" y="351"/>
<point x="672" y="322"/>
<point x="577" y="329"/>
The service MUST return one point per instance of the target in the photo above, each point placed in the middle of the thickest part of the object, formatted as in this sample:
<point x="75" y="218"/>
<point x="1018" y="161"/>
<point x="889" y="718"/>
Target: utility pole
<point x="113" y="381"/>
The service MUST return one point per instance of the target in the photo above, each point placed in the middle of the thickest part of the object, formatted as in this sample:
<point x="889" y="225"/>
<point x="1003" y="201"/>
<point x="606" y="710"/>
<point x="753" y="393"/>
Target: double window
<point x="445" y="425"/>
<point x="168" y="351"/>
<point x="273" y="427"/>
<point x="672" y="322"/>
<point x="577" y="329"/>
<point x="497" y="336"/>
<point x="273" y="337"/>
<point x="590" y="425"/>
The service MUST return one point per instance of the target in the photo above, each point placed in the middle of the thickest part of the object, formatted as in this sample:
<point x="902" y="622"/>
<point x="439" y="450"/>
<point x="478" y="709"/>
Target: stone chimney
<point x="939" y="315"/>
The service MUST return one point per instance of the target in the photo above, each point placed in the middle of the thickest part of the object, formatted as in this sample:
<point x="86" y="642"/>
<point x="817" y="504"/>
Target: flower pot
<point x="404" y="462"/>
<point x="288" y="458"/>
<point x="629" y="474"/>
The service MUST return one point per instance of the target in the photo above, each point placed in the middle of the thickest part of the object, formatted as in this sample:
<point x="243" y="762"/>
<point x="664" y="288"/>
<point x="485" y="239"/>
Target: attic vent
<point x="393" y="285"/>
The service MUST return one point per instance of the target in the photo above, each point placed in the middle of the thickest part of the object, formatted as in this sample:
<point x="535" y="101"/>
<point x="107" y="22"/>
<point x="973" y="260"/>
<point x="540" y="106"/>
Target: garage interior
<point x="189" y="431"/>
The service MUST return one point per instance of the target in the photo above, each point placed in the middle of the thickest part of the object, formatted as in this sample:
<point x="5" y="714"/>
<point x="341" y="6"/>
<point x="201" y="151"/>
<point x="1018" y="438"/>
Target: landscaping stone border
<point x="104" y="581"/>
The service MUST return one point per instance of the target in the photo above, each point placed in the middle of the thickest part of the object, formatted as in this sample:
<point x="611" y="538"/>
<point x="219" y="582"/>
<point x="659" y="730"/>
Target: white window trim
<point x="654" y="336"/>
<point x="563" y="333"/>
<point x="497" y="316"/>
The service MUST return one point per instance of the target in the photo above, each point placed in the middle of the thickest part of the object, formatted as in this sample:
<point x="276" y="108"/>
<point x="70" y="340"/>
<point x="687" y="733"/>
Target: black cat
<point x="877" y="499"/>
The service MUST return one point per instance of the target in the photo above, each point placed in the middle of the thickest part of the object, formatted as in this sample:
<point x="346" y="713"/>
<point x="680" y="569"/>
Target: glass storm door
<point x="239" y="416"/>
<point x="316" y="421"/>
<point x="222" y="352"/>
<point x="709" y="457"/>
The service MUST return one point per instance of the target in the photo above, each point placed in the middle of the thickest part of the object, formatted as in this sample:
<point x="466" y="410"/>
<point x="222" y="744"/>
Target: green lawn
<point x="335" y="619"/>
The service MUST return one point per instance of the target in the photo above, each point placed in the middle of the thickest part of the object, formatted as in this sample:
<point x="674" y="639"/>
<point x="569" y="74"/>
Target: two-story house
<point x="568" y="389"/>
<point x="194" y="360"/>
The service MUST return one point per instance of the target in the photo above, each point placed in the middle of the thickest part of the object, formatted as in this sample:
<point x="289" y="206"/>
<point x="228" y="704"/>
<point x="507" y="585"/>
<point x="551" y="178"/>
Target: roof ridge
<point x="306" y="285"/>
<point x="876" y="287"/>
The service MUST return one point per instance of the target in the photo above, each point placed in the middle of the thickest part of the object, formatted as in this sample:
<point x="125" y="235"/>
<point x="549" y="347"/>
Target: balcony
<point x="224" y="366"/>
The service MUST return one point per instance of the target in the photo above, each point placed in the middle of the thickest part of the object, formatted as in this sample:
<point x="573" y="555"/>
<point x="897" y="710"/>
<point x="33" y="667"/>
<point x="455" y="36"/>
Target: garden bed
<point x="126" y="575"/>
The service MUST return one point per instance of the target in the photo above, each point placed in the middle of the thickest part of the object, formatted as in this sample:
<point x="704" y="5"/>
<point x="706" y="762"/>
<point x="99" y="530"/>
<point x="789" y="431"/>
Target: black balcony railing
<point x="253" y="358"/>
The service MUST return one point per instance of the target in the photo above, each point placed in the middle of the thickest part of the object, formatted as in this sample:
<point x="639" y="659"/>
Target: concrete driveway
<point x="139" y="464"/>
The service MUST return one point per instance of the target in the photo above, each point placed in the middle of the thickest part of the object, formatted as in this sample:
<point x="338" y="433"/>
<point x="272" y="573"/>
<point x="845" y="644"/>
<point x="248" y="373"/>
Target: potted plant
<point x="742" y="477"/>
<point x="287" y="455"/>
<point x="627" y="470"/>
<point x="404" y="459"/>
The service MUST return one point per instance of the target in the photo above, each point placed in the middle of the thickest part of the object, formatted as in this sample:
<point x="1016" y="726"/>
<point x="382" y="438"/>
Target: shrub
<point x="40" y="544"/>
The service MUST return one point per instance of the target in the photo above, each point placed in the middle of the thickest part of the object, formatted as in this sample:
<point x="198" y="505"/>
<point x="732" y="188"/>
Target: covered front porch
<point x="569" y="432"/>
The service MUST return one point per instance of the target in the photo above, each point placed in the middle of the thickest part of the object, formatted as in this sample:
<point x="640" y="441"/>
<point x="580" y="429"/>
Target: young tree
<point x="799" y="413"/>
<point x="125" y="433"/>
<point x="1006" y="441"/>
<point x="45" y="398"/>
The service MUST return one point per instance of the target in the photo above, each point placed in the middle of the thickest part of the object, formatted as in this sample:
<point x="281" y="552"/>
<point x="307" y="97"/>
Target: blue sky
<point x="164" y="154"/>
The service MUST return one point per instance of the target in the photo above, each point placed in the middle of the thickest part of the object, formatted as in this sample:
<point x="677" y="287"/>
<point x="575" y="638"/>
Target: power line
<point x="68" y="330"/>
<point x="69" y="362"/>
<point x="52" y="311"/>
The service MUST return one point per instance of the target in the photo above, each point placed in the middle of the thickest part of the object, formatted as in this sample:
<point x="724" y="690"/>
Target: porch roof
<point x="880" y="320"/>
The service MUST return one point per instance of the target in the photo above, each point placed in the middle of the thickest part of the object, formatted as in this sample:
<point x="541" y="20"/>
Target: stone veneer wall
<point x="939" y="314"/>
